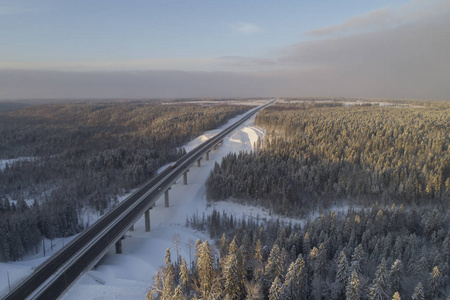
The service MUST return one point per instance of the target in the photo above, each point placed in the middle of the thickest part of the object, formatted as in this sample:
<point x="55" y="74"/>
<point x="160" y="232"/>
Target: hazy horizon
<point x="157" y="49"/>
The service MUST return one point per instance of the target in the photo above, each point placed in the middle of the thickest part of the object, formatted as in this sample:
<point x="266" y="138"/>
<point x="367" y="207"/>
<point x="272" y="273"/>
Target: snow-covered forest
<point x="83" y="156"/>
<point x="316" y="155"/>
<point x="362" y="254"/>
<point x="390" y="163"/>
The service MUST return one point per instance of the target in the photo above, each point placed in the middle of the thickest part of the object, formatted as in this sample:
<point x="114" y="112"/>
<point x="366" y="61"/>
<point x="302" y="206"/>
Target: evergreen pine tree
<point x="231" y="276"/>
<point x="434" y="284"/>
<point x="418" y="292"/>
<point x="295" y="280"/>
<point x="253" y="290"/>
<point x="352" y="288"/>
<point x="273" y="267"/>
<point x="397" y="276"/>
<point x="258" y="254"/>
<point x="258" y="269"/>
<point x="396" y="296"/>
<point x="184" y="277"/>
<point x="223" y="246"/>
<point x="342" y="273"/>
<point x="321" y="262"/>
<point x="178" y="294"/>
<point x="306" y="244"/>
<point x="380" y="289"/>
<point x="275" y="292"/>
<point x="357" y="263"/>
<point x="205" y="268"/>
<point x="167" y="259"/>
<point x="169" y="278"/>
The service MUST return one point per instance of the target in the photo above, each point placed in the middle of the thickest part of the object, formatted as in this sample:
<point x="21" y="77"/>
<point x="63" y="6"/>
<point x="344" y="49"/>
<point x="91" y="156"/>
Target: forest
<point x="376" y="253"/>
<point x="321" y="154"/>
<point x="78" y="156"/>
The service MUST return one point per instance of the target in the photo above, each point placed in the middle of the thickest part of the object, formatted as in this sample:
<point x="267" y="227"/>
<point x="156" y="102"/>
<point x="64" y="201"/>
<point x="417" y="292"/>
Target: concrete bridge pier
<point x="207" y="155"/>
<point x="147" y="220"/>
<point x="132" y="228"/>
<point x="166" y="198"/>
<point x="185" y="177"/>
<point x="198" y="162"/>
<point x="119" y="247"/>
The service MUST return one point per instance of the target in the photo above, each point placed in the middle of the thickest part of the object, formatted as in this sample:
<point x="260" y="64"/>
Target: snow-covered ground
<point x="130" y="274"/>
<point x="4" y="162"/>
<point x="354" y="103"/>
<point x="12" y="272"/>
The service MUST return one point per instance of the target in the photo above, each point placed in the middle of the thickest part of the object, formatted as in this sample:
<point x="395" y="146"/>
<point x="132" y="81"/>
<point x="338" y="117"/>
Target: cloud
<point x="191" y="64"/>
<point x="246" y="27"/>
<point x="22" y="84"/>
<point x="374" y="19"/>
<point x="388" y="17"/>
<point x="205" y="64"/>
<point x="409" y="61"/>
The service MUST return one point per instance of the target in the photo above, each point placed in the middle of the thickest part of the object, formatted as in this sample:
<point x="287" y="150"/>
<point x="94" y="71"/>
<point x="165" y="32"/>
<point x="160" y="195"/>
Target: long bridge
<point x="59" y="272"/>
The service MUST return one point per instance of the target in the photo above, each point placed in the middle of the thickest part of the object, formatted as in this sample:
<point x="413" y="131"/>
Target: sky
<point x="198" y="48"/>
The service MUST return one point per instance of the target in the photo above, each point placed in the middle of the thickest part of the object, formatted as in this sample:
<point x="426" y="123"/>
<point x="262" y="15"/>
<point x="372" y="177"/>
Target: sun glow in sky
<point x="242" y="48"/>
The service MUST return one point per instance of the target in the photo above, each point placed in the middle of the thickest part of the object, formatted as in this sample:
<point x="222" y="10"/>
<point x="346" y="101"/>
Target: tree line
<point x="320" y="154"/>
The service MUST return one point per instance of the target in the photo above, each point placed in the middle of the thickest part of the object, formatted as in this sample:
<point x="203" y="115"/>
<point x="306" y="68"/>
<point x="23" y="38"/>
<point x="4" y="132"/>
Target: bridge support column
<point x="147" y="220"/>
<point x="185" y="178"/>
<point x="166" y="198"/>
<point x="207" y="155"/>
<point x="119" y="246"/>
<point x="132" y="228"/>
<point x="198" y="162"/>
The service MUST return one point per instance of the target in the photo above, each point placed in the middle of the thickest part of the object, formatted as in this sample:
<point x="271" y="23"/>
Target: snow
<point x="353" y="103"/>
<point x="18" y="270"/>
<point x="3" y="162"/>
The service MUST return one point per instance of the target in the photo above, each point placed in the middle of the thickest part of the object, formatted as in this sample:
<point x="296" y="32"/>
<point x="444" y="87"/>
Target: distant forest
<point x="83" y="156"/>
<point x="317" y="154"/>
